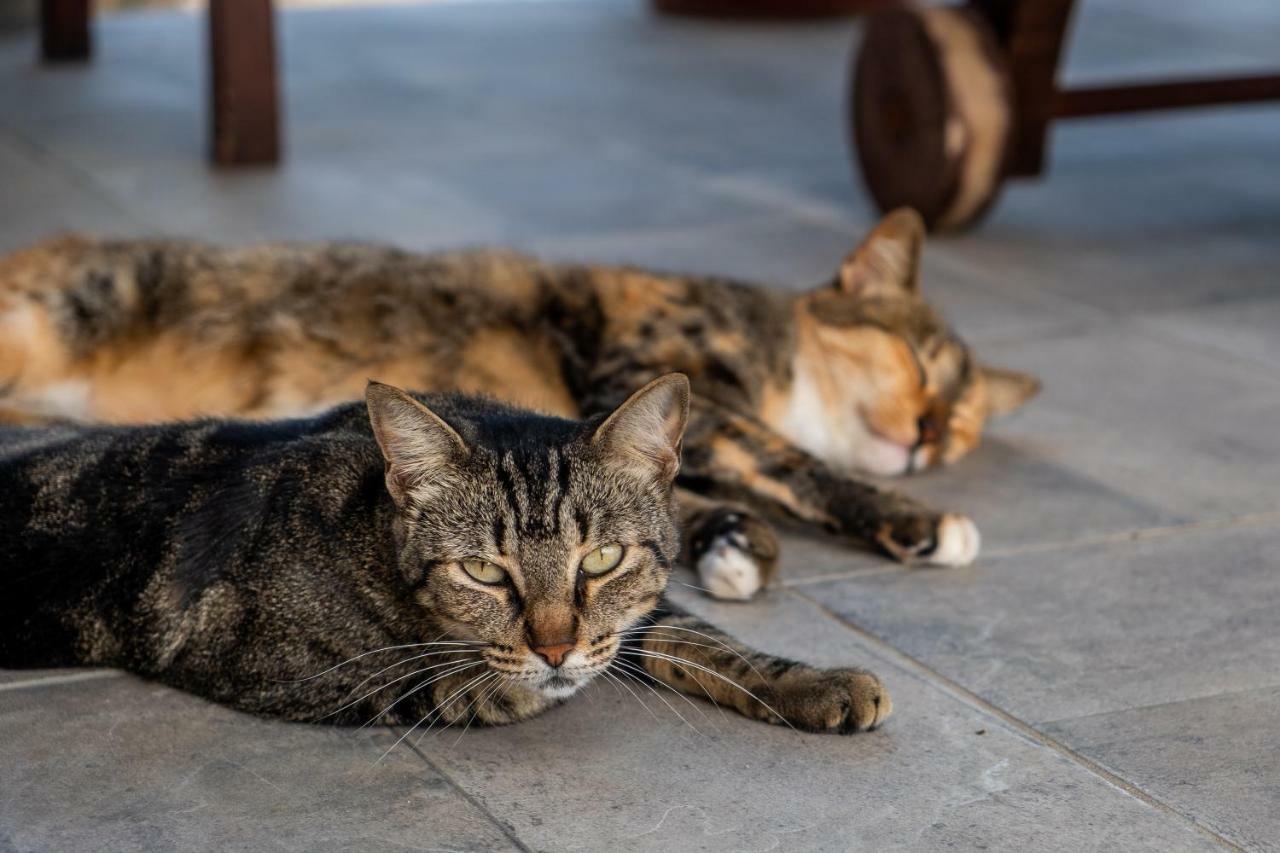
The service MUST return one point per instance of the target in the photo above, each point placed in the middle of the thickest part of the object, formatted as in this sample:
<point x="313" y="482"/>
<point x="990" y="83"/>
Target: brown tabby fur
<point x="793" y="393"/>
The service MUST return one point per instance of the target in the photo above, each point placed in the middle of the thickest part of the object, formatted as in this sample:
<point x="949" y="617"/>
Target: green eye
<point x="602" y="559"/>
<point x="484" y="571"/>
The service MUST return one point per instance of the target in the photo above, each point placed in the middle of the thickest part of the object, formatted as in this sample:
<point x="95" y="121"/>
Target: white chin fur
<point x="958" y="542"/>
<point x="883" y="458"/>
<point x="729" y="572"/>
<point x="560" y="691"/>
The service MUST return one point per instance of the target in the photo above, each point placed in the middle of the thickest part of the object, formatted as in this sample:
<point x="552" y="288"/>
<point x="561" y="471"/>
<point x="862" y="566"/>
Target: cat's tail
<point x="65" y="303"/>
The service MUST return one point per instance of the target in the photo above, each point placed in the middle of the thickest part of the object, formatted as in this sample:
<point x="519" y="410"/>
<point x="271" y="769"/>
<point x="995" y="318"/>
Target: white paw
<point x="958" y="542"/>
<point x="728" y="571"/>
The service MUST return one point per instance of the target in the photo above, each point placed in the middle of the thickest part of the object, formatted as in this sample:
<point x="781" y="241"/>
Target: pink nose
<point x="554" y="654"/>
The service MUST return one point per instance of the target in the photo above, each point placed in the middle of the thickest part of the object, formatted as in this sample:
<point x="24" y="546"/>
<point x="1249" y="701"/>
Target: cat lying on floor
<point x="793" y="392"/>
<point x="460" y="562"/>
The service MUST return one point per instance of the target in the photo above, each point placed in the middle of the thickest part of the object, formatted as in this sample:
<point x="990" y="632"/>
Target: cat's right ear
<point x="644" y="433"/>
<point x="416" y="442"/>
<point x="888" y="261"/>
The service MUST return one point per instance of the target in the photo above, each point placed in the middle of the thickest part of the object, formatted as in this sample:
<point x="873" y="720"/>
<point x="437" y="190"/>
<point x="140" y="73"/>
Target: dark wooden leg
<point x="64" y="30"/>
<point x="770" y="8"/>
<point x="1032" y="33"/>
<point x="245" y="104"/>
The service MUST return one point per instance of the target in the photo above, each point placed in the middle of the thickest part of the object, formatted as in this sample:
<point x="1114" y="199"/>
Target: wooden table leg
<point x="1033" y="33"/>
<point x="245" y="123"/>
<point x="64" y="30"/>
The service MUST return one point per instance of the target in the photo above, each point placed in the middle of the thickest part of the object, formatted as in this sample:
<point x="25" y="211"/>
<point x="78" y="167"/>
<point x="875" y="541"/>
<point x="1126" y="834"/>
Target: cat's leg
<point x="690" y="656"/>
<point x="35" y="381"/>
<point x="733" y="550"/>
<point x="739" y="458"/>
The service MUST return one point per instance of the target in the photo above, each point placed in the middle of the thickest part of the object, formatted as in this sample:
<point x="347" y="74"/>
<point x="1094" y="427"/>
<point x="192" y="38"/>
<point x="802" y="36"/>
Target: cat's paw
<point x="735" y="553"/>
<point x="946" y="540"/>
<point x="840" y="701"/>
<point x="958" y="542"/>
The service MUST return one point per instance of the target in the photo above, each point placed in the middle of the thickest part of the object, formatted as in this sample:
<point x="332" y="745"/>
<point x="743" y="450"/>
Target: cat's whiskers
<point x="397" y="680"/>
<point x="460" y="667"/>
<point x="438" y="709"/>
<point x="712" y="648"/>
<point x="369" y="678"/>
<point x="679" y="661"/>
<point x="641" y="670"/>
<point x="652" y="630"/>
<point x="478" y="703"/>
<point x="366" y="654"/>
<point x="617" y="680"/>
<point x="663" y="700"/>
<point x="692" y="586"/>
<point x="355" y="702"/>
<point x="632" y="668"/>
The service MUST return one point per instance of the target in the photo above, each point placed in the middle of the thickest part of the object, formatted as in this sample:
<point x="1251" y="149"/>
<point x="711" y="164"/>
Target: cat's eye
<point x="602" y="559"/>
<point x="484" y="571"/>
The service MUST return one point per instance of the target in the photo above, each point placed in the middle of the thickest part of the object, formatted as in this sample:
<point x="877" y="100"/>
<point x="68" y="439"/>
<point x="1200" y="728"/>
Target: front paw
<point x="946" y="540"/>
<point x="734" y="552"/>
<point x="840" y="701"/>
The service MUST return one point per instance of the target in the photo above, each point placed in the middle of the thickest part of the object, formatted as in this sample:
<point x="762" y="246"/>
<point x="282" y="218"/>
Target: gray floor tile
<point x="739" y="785"/>
<point x="1214" y="758"/>
<point x="42" y="197"/>
<point x="1162" y="422"/>
<point x="118" y="764"/>
<point x="1247" y="328"/>
<point x="1087" y="630"/>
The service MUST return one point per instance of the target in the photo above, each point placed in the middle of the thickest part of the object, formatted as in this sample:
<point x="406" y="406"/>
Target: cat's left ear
<point x="888" y="261"/>
<point x="644" y="433"/>
<point x="1007" y="390"/>
<point x="416" y="442"/>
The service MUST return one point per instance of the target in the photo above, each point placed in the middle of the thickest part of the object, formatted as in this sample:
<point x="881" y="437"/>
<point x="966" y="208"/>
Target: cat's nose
<point x="928" y="430"/>
<point x="555" y="653"/>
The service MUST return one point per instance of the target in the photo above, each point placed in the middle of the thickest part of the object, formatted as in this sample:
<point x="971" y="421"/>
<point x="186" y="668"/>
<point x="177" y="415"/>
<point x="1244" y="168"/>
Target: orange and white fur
<point x="794" y="393"/>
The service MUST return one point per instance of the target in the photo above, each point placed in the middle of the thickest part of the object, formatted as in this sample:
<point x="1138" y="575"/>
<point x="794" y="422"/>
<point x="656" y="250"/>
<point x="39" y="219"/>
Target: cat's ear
<point x="416" y="442"/>
<point x="644" y="433"/>
<point x="888" y="261"/>
<point x="1007" y="390"/>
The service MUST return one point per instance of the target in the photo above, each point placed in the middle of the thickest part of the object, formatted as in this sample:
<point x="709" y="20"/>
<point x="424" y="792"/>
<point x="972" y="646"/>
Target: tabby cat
<point x="461" y="562"/>
<point x="793" y="392"/>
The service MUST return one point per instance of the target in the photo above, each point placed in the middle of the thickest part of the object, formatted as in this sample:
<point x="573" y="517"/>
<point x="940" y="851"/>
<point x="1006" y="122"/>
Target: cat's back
<point x="92" y="516"/>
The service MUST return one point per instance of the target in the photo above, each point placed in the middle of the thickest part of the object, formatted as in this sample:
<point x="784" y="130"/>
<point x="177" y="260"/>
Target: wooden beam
<point x="64" y="30"/>
<point x="1033" y="33"/>
<point x="1174" y="94"/>
<point x="245" y="124"/>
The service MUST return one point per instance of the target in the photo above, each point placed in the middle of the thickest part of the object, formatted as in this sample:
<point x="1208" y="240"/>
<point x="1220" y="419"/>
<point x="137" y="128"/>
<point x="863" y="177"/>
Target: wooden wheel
<point x="931" y="110"/>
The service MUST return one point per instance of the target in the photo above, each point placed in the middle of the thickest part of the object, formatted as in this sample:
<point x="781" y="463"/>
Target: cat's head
<point x="882" y="383"/>
<point x="537" y="539"/>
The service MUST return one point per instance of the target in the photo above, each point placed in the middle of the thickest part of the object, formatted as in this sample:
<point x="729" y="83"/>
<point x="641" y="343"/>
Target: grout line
<point x="502" y="826"/>
<point x="54" y="680"/>
<point x="1123" y="537"/>
<point x="961" y="693"/>
<point x="1143" y="534"/>
<point x="1258" y="688"/>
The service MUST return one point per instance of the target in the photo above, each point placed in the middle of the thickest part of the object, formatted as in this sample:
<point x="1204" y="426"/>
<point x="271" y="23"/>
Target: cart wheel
<point x="931" y="109"/>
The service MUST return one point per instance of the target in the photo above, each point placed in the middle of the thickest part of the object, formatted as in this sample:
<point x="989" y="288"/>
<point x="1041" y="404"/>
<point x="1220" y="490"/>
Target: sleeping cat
<point x="793" y="393"/>
<point x="460" y="562"/>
